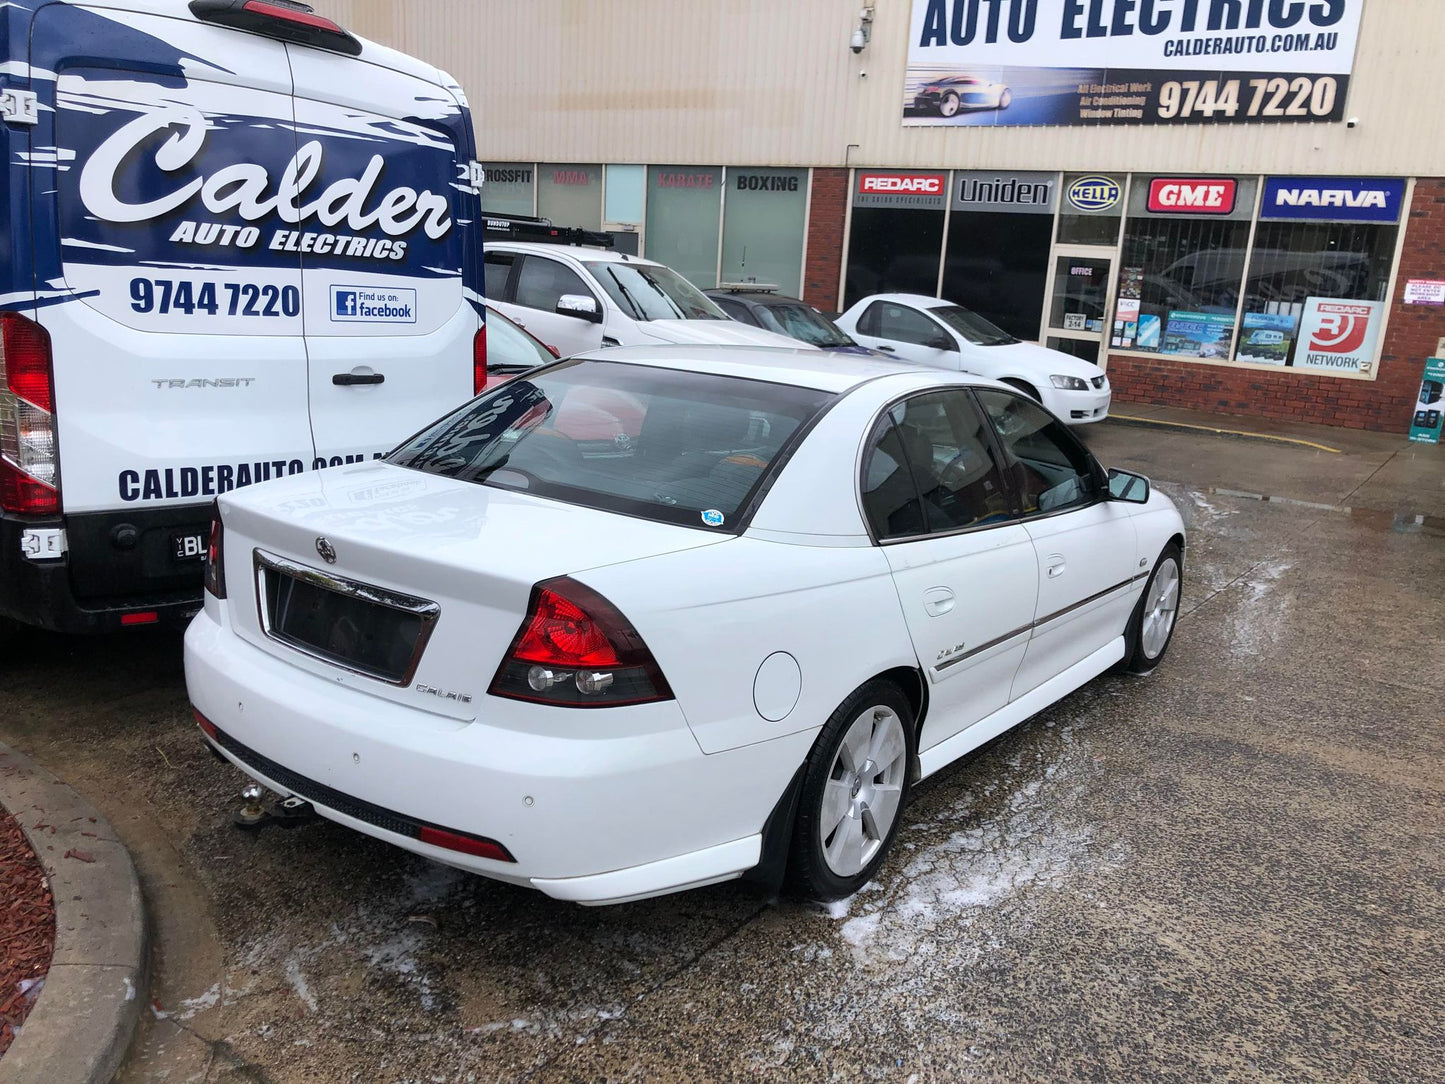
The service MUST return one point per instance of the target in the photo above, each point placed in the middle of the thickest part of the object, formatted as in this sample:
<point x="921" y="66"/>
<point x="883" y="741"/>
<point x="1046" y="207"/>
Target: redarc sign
<point x="920" y="191"/>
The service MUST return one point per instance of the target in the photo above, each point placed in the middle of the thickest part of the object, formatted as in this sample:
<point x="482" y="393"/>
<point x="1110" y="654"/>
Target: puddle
<point x="1397" y="522"/>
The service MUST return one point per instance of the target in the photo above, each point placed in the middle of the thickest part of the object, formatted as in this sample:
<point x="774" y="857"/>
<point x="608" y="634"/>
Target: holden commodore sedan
<point x="726" y="646"/>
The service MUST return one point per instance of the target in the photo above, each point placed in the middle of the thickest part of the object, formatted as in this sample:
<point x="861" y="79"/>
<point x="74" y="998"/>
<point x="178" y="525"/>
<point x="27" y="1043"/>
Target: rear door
<point x="381" y="235"/>
<point x="148" y="181"/>
<point x="907" y="334"/>
<point x="937" y="501"/>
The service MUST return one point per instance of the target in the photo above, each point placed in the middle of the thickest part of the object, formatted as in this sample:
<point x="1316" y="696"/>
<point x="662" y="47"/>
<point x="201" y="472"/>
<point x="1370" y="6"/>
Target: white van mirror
<point x="580" y="306"/>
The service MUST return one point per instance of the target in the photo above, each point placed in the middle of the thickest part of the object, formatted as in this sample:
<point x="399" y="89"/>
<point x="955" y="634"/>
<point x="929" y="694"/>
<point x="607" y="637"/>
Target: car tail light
<point x="457" y="841"/>
<point x="215" y="574"/>
<point x="574" y="649"/>
<point x="479" y="360"/>
<point x="208" y="728"/>
<point x="29" y="470"/>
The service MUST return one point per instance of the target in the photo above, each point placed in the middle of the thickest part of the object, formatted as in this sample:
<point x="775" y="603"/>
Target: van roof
<point x="371" y="52"/>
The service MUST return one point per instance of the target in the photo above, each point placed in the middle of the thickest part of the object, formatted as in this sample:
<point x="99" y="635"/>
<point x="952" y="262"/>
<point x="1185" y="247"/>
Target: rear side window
<point x="498" y="270"/>
<point x="1050" y="468"/>
<point x="542" y="282"/>
<point x="672" y="446"/>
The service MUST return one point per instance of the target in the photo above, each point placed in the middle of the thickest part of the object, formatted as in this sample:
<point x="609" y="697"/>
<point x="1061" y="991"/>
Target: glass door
<point x="1079" y="300"/>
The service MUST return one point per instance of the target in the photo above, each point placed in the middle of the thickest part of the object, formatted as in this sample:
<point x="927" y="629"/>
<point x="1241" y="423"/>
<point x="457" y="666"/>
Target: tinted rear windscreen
<point x="678" y="447"/>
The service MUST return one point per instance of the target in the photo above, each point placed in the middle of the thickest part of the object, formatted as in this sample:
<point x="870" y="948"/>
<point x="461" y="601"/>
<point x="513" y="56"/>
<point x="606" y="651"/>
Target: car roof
<point x="818" y="369"/>
<point x="918" y="301"/>
<point x="577" y="252"/>
<point x="757" y="297"/>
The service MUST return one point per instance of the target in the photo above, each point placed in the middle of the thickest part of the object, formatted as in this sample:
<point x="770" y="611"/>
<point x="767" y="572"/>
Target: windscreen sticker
<point x="713" y="518"/>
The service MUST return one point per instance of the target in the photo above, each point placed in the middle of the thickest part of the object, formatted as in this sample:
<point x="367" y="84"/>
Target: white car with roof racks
<point x="726" y="646"/>
<point x="579" y="298"/>
<point x="931" y="331"/>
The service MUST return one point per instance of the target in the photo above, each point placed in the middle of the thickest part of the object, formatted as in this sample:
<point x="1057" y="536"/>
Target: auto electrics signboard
<point x="1086" y="62"/>
<point x="1333" y="199"/>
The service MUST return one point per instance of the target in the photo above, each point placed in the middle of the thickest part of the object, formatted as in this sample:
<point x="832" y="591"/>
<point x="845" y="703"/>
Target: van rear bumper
<point x="43" y="593"/>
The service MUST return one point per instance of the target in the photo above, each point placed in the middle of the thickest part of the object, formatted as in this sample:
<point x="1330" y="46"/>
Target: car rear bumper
<point x="598" y="806"/>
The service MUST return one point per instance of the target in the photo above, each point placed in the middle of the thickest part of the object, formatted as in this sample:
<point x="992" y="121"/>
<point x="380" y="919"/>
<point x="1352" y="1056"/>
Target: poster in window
<point x="1339" y="335"/>
<point x="1199" y="334"/>
<point x="1149" y="326"/>
<point x="1267" y="338"/>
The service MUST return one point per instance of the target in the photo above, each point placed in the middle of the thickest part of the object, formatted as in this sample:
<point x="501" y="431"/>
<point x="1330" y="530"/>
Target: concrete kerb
<point x="82" y="1024"/>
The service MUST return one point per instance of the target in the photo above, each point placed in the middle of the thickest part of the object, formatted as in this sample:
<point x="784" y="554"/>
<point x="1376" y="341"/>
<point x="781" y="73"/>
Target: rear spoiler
<point x="285" y="20"/>
<point x="526" y="228"/>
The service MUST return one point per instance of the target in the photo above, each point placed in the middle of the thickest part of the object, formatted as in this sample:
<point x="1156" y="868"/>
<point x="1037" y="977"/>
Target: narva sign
<point x="1176" y="196"/>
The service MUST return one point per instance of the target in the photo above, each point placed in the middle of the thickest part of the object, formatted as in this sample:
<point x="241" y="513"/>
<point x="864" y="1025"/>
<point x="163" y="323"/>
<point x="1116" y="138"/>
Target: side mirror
<point x="942" y="342"/>
<point x="1124" y="486"/>
<point x="581" y="306"/>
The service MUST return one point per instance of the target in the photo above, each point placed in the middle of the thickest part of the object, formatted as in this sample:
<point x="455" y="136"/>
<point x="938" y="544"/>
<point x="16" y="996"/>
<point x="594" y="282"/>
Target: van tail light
<point x="479" y="360"/>
<point x="574" y="649"/>
<point x="286" y="20"/>
<point x="215" y="568"/>
<point x="29" y="468"/>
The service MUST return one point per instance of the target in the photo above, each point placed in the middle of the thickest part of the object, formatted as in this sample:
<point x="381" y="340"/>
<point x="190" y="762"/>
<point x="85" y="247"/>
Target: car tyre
<point x="855" y="788"/>
<point x="10" y="632"/>
<point x="1005" y="99"/>
<point x="948" y="105"/>
<point x="1025" y="387"/>
<point x="1151" y="626"/>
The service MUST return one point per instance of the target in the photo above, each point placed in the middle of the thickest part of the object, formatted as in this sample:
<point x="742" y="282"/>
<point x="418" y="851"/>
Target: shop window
<point x="997" y="264"/>
<point x="763" y="227"/>
<point x="1292" y="262"/>
<point x="683" y="208"/>
<point x="626" y="189"/>
<point x="570" y="195"/>
<point x="894" y="250"/>
<point x="1179" y="285"/>
<point x="509" y="188"/>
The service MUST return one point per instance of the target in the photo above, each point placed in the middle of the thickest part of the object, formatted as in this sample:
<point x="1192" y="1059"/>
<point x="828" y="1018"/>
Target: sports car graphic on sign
<point x="953" y="93"/>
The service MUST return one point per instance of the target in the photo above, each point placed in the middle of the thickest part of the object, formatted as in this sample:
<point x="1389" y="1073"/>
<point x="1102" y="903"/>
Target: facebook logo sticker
<point x="373" y="305"/>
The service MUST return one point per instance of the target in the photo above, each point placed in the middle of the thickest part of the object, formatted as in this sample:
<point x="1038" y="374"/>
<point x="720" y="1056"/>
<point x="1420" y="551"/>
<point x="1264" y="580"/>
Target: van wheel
<point x="1151" y="626"/>
<point x="1025" y="387"/>
<point x="855" y="786"/>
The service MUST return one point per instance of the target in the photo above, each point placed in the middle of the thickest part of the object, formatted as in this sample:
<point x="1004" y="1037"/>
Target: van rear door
<point x="388" y="327"/>
<point x="179" y="363"/>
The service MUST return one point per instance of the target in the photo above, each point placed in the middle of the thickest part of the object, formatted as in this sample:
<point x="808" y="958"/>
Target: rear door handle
<point x="937" y="601"/>
<point x="347" y="379"/>
<point x="1056" y="567"/>
<point x="885" y="349"/>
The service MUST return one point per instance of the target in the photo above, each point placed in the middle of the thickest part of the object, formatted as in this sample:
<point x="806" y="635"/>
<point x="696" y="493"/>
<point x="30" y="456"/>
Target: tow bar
<point x="256" y="813"/>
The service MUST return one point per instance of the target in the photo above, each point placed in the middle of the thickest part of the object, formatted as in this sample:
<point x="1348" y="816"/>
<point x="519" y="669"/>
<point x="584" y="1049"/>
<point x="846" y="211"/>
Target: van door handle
<point x="347" y="379"/>
<point x="937" y="601"/>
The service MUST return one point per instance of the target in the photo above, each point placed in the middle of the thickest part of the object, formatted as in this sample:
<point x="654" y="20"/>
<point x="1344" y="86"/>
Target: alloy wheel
<point x="864" y="790"/>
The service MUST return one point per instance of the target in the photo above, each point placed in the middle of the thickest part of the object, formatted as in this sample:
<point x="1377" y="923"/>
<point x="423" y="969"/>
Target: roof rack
<point x="528" y="228"/>
<point x="749" y="287"/>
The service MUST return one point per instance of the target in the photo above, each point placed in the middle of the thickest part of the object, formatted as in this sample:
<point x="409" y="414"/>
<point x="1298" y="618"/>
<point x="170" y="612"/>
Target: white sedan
<point x="722" y="637"/>
<point x="930" y="331"/>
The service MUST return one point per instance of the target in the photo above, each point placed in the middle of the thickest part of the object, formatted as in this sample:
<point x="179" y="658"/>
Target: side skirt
<point x="1015" y="712"/>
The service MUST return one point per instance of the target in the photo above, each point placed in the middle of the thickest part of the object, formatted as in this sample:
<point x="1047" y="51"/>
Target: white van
<point x="576" y="298"/>
<point x="239" y="246"/>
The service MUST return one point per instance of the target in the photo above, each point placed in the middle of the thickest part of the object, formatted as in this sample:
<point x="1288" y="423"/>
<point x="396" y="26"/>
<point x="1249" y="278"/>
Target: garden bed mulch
<point x="27" y="928"/>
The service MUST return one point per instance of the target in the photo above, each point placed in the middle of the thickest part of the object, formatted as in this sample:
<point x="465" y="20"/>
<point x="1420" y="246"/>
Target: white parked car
<point x="578" y="299"/>
<point x="930" y="331"/>
<point x="725" y="645"/>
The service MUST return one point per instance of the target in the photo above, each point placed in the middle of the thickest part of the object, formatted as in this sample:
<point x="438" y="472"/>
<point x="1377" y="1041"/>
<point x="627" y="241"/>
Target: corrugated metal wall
<point x="772" y="82"/>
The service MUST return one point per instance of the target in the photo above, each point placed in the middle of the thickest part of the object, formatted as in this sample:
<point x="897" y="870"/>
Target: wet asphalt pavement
<point x="1231" y="870"/>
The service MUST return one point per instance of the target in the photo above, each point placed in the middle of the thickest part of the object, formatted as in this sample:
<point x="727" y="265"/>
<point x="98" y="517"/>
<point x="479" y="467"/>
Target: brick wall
<point x="1383" y="404"/>
<point x="825" y="238"/>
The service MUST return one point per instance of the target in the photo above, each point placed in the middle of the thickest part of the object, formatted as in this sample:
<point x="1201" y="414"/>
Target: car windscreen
<point x="664" y="444"/>
<point x="803" y="322"/>
<point x="972" y="326"/>
<point x="649" y="291"/>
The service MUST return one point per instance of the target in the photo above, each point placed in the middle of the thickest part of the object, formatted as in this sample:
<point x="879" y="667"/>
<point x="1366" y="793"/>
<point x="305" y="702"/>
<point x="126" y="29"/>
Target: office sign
<point x="1333" y="199"/>
<point x="1011" y="193"/>
<point x="1339" y="335"/>
<point x="1007" y="63"/>
<point x="883" y="188"/>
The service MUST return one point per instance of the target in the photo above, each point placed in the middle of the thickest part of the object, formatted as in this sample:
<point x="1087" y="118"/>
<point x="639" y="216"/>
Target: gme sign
<point x="1183" y="196"/>
<point x="908" y="184"/>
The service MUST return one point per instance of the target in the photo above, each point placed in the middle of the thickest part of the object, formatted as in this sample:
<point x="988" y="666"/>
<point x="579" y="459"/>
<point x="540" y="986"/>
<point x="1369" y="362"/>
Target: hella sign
<point x="1094" y="193"/>
<point x="1185" y="196"/>
<point x="1333" y="199"/>
<point x="903" y="184"/>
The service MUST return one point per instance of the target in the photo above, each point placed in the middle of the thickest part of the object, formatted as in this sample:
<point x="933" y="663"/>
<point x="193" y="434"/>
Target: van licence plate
<point x="188" y="547"/>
